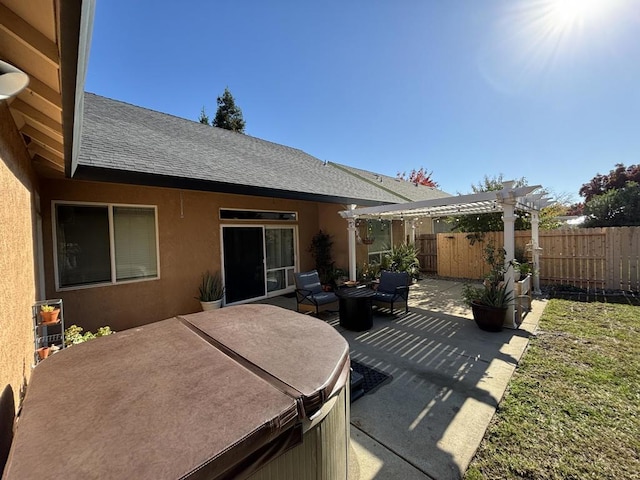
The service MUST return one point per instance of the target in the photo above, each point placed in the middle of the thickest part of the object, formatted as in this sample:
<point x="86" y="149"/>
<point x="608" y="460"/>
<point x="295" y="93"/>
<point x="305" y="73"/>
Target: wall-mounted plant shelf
<point x="48" y="328"/>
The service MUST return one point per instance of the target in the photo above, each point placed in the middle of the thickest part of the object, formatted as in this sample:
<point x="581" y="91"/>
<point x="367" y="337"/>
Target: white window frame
<point x="264" y="227"/>
<point x="289" y="287"/>
<point x="110" y="207"/>
<point x="261" y="220"/>
<point x="380" y="253"/>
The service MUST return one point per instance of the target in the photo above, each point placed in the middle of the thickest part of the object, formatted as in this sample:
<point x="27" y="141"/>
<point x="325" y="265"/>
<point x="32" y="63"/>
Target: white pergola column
<point x="351" y="231"/>
<point x="509" y="219"/>
<point x="535" y="251"/>
<point x="412" y="231"/>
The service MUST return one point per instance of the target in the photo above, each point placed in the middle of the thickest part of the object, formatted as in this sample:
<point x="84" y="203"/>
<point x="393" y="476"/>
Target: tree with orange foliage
<point x="419" y="177"/>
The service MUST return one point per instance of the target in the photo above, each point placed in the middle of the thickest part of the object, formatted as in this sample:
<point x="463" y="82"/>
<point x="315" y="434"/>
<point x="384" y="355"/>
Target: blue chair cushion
<point x="324" y="298"/>
<point x="385" y="297"/>
<point x="389" y="281"/>
<point x="308" y="281"/>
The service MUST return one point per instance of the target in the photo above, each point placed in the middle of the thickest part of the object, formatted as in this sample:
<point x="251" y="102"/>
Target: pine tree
<point x="204" y="118"/>
<point x="228" y="115"/>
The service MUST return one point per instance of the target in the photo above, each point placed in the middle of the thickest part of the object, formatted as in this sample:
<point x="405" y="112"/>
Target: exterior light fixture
<point x="12" y="80"/>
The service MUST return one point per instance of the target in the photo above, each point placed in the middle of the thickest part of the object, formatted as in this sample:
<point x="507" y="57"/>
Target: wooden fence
<point x="427" y="245"/>
<point x="590" y="258"/>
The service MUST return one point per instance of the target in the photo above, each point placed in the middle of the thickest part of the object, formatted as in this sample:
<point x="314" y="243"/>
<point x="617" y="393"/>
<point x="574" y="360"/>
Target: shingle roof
<point x="130" y="144"/>
<point x="410" y="192"/>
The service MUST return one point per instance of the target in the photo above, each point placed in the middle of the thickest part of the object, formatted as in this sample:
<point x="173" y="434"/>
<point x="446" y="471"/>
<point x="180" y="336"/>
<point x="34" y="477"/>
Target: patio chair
<point x="393" y="288"/>
<point x="309" y="294"/>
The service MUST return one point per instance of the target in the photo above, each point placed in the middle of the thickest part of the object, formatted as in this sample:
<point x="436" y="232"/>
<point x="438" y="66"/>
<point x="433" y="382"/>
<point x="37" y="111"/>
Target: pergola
<point x="507" y="200"/>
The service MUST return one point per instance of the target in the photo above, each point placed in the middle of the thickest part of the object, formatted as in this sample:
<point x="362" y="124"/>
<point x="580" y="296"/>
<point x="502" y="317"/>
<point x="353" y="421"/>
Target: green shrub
<point x="73" y="335"/>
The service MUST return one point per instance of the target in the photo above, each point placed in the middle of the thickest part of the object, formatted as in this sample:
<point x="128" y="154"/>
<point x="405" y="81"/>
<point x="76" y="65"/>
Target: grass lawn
<point x="572" y="409"/>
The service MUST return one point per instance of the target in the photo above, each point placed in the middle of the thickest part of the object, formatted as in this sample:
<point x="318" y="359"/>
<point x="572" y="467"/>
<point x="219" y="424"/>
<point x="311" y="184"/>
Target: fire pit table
<point x="356" y="308"/>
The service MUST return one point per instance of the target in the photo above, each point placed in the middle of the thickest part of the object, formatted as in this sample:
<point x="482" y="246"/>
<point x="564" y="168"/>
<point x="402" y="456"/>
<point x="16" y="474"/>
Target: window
<point x="97" y="244"/>
<point x="380" y="231"/>
<point x="231" y="214"/>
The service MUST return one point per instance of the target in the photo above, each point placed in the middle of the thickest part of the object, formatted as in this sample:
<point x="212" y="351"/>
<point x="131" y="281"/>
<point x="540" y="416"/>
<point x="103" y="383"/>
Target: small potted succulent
<point x="49" y="314"/>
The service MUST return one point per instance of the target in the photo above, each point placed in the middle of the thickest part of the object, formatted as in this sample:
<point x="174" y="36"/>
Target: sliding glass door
<point x="243" y="263"/>
<point x="281" y="258"/>
<point x="259" y="261"/>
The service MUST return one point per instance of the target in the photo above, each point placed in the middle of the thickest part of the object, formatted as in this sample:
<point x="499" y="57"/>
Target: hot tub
<point x="251" y="391"/>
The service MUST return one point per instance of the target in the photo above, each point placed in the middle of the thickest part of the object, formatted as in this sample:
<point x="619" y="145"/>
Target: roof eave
<point x="76" y="26"/>
<point x="100" y="174"/>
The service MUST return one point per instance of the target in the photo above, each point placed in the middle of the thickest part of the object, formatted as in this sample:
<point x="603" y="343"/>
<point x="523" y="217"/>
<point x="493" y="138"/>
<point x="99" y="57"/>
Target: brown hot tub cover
<point x="209" y="395"/>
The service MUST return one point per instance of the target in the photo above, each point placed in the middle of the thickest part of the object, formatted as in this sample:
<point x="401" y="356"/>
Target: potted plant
<point x="338" y="277"/>
<point x="320" y="250"/>
<point x="489" y="303"/>
<point x="520" y="264"/>
<point x="43" y="352"/>
<point x="211" y="291"/>
<point x="368" y="273"/>
<point x="403" y="258"/>
<point x="49" y="314"/>
<point x="524" y="269"/>
<point x="366" y="238"/>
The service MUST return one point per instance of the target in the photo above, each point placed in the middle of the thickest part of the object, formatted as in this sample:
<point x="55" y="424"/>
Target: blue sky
<point x="545" y="89"/>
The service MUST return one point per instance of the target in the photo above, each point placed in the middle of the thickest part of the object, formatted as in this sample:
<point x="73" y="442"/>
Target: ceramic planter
<point x="488" y="318"/>
<point x="211" y="305"/>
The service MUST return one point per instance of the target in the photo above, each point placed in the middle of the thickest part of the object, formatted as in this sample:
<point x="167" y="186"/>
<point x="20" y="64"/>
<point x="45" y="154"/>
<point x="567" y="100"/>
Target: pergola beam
<point x="474" y="203"/>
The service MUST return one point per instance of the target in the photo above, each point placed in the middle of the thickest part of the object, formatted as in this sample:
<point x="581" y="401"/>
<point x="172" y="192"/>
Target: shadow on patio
<point x="447" y="379"/>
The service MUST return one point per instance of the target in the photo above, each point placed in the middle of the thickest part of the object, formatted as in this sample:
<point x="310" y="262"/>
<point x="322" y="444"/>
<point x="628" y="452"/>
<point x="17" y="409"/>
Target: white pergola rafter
<point x="507" y="200"/>
<point x="474" y="203"/>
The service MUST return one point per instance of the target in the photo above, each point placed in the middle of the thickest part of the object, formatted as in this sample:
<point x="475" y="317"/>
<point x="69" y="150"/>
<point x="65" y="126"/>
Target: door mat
<point x="372" y="377"/>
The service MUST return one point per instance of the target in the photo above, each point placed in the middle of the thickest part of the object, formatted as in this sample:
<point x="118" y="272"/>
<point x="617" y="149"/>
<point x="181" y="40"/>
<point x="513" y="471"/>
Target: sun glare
<point x="565" y="14"/>
<point x="535" y="37"/>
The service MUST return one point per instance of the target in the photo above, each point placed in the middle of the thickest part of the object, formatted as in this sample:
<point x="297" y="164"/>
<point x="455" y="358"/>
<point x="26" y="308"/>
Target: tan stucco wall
<point x="17" y="282"/>
<point x="332" y="223"/>
<point x="188" y="245"/>
<point x="397" y="232"/>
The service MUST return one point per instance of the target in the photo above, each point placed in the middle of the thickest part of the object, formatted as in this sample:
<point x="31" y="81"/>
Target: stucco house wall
<point x="189" y="243"/>
<point x="17" y="262"/>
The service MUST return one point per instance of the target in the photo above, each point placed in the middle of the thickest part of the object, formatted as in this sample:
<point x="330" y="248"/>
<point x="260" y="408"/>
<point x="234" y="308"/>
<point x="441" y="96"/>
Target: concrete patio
<point x="448" y="377"/>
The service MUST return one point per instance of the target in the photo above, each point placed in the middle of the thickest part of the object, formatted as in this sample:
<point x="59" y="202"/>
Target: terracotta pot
<point x="488" y="318"/>
<point x="50" y="317"/>
<point x="43" y="352"/>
